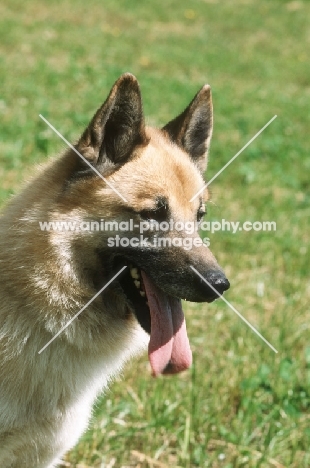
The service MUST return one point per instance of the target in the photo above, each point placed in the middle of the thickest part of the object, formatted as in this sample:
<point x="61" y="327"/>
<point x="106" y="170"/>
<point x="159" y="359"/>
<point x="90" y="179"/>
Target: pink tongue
<point x="169" y="350"/>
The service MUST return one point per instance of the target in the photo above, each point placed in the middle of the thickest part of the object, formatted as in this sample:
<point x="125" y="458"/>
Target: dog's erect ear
<point x="192" y="130"/>
<point x="117" y="127"/>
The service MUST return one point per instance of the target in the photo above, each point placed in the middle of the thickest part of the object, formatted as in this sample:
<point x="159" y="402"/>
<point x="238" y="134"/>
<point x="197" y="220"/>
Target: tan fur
<point x="46" y="399"/>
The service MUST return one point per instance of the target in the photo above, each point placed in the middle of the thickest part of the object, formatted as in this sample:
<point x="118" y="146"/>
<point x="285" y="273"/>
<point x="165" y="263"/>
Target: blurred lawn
<point x="241" y="405"/>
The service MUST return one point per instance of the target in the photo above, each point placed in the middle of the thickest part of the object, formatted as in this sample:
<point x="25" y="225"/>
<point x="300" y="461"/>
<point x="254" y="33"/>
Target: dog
<point x="120" y="171"/>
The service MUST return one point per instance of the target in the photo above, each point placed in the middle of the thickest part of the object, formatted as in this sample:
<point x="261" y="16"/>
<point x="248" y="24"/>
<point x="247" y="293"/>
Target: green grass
<point x="241" y="405"/>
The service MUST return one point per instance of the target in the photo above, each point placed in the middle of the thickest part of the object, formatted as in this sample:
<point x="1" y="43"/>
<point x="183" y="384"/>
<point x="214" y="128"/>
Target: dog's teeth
<point x="137" y="283"/>
<point x="142" y="293"/>
<point x="134" y="273"/>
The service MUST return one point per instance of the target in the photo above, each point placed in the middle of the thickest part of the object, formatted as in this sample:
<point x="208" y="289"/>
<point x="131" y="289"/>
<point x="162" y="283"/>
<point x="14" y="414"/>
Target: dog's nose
<point x="218" y="281"/>
<point x="214" y="285"/>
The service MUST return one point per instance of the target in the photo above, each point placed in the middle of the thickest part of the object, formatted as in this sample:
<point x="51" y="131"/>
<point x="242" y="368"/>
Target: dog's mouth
<point x="132" y="284"/>
<point x="161" y="316"/>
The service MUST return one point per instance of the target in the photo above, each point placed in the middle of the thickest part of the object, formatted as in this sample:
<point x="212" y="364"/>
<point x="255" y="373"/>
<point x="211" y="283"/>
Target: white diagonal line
<point x="233" y="158"/>
<point x="82" y="157"/>
<point x="234" y="309"/>
<point x="83" y="308"/>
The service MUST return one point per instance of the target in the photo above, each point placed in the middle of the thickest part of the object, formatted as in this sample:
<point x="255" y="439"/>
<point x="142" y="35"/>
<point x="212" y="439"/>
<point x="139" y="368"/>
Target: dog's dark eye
<point x="159" y="214"/>
<point x="200" y="213"/>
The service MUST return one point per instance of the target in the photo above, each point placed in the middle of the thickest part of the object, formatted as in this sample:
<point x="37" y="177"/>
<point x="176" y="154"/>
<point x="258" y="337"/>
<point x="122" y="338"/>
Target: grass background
<point x="241" y="405"/>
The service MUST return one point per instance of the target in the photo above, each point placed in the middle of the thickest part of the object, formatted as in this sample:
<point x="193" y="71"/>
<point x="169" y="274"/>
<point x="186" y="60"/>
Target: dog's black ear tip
<point x="127" y="77"/>
<point x="206" y="91"/>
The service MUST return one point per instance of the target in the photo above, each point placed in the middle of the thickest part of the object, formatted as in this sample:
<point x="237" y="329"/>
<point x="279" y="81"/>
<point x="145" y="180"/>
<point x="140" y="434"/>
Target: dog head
<point x="150" y="177"/>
